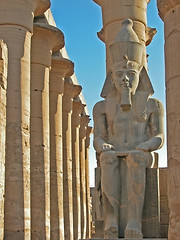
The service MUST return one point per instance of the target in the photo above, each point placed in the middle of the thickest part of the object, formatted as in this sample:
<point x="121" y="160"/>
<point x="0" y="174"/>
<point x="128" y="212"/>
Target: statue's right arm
<point x="100" y="128"/>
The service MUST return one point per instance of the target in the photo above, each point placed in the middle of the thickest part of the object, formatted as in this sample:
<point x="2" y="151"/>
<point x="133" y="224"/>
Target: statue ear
<point x="108" y="85"/>
<point x="145" y="83"/>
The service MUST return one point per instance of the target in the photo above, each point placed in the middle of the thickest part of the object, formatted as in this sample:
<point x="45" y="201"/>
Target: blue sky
<point x="80" y="20"/>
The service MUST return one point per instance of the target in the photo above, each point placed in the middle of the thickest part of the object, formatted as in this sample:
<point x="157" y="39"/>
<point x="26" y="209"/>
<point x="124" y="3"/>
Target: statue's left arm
<point x="156" y="127"/>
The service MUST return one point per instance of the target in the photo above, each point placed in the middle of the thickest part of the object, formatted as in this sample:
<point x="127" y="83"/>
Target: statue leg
<point x="137" y="162"/>
<point x="110" y="184"/>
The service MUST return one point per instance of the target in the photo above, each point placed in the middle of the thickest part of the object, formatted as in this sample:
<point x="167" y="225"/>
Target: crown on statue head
<point x="126" y="46"/>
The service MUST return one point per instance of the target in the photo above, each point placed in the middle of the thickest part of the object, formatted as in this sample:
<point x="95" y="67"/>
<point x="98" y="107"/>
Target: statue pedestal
<point x="127" y="239"/>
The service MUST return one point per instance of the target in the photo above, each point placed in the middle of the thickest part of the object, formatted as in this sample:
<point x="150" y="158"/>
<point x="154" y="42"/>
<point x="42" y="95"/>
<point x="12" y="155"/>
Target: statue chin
<point x="126" y="107"/>
<point x="126" y="99"/>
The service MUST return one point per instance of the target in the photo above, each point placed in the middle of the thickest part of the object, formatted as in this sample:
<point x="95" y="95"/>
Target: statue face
<point x="126" y="77"/>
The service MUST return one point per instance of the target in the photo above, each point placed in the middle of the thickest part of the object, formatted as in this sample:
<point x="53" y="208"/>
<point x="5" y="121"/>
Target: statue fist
<point x="150" y="145"/>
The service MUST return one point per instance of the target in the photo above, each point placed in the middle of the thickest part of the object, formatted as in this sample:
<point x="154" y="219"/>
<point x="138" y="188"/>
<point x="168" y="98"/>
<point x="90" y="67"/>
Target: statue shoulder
<point x="99" y="108"/>
<point x="155" y="105"/>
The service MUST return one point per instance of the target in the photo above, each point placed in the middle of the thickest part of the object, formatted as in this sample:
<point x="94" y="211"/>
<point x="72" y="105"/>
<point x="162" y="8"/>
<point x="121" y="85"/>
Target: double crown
<point x="126" y="46"/>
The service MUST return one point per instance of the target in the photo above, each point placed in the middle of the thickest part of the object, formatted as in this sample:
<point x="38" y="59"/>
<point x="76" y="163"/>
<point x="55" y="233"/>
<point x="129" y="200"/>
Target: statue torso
<point x="125" y="130"/>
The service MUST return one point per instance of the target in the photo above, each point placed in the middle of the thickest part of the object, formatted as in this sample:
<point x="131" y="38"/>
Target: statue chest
<point x="124" y="128"/>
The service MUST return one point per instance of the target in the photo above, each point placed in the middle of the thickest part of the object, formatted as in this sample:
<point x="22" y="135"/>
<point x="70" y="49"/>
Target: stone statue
<point x="128" y="126"/>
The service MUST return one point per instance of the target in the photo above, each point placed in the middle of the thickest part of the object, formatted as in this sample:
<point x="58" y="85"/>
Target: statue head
<point x="126" y="75"/>
<point x="126" y="55"/>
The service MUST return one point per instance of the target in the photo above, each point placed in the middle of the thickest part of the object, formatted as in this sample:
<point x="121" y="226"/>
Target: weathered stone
<point x="3" y="88"/>
<point x="113" y="13"/>
<point x="78" y="108"/>
<point x="16" y="27"/>
<point x="45" y="40"/>
<point x="123" y="142"/>
<point x="60" y="68"/>
<point x="151" y="205"/>
<point x="88" y="201"/>
<point x="70" y="91"/>
<point x="82" y="153"/>
<point x="169" y="11"/>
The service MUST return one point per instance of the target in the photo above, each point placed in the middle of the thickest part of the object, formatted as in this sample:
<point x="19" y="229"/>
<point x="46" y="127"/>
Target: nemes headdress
<point x="126" y="44"/>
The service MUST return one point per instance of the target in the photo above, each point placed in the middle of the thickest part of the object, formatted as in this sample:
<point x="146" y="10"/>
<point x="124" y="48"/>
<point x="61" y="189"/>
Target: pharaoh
<point x="128" y="126"/>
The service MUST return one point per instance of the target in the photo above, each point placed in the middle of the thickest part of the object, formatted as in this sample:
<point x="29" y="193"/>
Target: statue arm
<point x="156" y="128"/>
<point x="100" y="128"/>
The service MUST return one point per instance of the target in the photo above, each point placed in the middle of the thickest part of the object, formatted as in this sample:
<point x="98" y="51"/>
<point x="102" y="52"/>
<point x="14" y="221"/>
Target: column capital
<point x="165" y="6"/>
<point x="101" y="35"/>
<point x="40" y="6"/>
<point x="46" y="38"/>
<point x="89" y="131"/>
<point x="117" y="10"/>
<point x="78" y="108"/>
<point x="18" y="13"/>
<point x="101" y="2"/>
<point x="71" y="89"/>
<point x="83" y="125"/>
<point x="62" y="66"/>
<point x="3" y="64"/>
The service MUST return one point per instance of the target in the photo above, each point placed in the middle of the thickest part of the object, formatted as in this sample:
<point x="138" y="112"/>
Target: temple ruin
<point x="45" y="132"/>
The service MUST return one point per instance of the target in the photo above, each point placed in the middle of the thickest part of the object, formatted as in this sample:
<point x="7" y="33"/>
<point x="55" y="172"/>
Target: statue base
<point x="126" y="239"/>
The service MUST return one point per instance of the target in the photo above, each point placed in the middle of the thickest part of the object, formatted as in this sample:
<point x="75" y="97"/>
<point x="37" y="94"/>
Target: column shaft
<point x="44" y="40"/>
<point x="17" y="166"/>
<point x="70" y="91"/>
<point x="16" y="25"/>
<point x="3" y="88"/>
<point x="88" y="202"/>
<point x="60" y="68"/>
<point x="83" y="127"/>
<point x="77" y="110"/>
<point x="170" y="13"/>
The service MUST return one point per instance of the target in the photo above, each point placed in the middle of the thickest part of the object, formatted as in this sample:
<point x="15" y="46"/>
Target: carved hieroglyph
<point x="128" y="126"/>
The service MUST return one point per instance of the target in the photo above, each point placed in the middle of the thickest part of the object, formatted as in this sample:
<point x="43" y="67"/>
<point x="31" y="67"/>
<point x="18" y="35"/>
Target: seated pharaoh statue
<point x="128" y="127"/>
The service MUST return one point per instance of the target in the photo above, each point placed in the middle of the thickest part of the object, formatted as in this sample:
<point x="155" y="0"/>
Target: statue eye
<point x="131" y="73"/>
<point x="119" y="74"/>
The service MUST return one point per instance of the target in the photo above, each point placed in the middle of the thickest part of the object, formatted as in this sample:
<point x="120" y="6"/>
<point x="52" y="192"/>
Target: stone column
<point x="16" y="27"/>
<point x="45" y="39"/>
<point x="3" y="87"/>
<point x="70" y="91"/>
<point x="169" y="11"/>
<point x="87" y="145"/>
<point x="114" y="12"/>
<point x="78" y="108"/>
<point x="61" y="68"/>
<point x="82" y="149"/>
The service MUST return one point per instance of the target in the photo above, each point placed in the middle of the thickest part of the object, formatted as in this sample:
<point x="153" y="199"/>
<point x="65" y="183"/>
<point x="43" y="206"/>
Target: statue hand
<point x="150" y="145"/>
<point x="143" y="147"/>
<point x="107" y="147"/>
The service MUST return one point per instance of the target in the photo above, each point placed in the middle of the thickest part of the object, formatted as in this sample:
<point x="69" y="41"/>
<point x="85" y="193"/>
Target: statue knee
<point x="108" y="157"/>
<point x="139" y="159"/>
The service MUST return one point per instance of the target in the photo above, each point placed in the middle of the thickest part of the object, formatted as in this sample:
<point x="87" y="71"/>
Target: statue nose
<point x="125" y="78"/>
